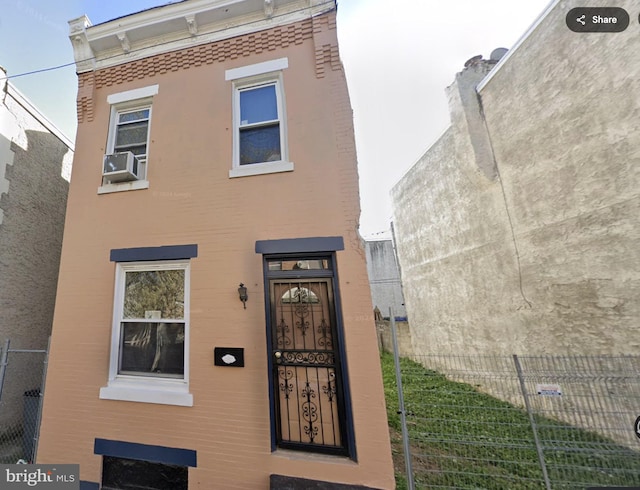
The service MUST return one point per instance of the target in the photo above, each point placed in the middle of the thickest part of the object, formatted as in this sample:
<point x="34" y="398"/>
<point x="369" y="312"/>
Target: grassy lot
<point x="11" y="445"/>
<point x="462" y="438"/>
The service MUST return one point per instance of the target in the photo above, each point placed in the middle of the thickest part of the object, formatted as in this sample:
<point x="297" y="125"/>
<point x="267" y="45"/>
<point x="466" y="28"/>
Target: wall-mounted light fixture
<point x="242" y="292"/>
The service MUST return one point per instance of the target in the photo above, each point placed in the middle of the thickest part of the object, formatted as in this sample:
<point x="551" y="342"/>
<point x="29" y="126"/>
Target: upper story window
<point x="260" y="138"/>
<point x="125" y="161"/>
<point x="131" y="132"/>
<point x="259" y="119"/>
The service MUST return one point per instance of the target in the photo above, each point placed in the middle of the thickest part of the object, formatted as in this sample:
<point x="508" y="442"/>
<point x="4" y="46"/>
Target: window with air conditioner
<point x="121" y="167"/>
<point x="125" y="162"/>
<point x="126" y="157"/>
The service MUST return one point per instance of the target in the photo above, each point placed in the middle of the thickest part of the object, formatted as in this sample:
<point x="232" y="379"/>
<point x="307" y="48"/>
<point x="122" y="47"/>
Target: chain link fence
<point x="21" y="387"/>
<point x="519" y="422"/>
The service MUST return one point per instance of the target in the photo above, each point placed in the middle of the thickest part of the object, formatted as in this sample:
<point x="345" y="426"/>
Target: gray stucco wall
<point x="33" y="196"/>
<point x="384" y="277"/>
<point x="544" y="257"/>
<point x="31" y="240"/>
<point x="403" y="336"/>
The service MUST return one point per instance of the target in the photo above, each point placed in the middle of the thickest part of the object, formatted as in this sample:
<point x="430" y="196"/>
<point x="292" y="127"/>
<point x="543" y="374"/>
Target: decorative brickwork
<point x="206" y="54"/>
<point x="321" y="28"/>
<point x="86" y="90"/>
<point x="326" y="43"/>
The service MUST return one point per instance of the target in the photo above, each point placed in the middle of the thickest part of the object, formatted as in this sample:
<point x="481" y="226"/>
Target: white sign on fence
<point x="549" y="390"/>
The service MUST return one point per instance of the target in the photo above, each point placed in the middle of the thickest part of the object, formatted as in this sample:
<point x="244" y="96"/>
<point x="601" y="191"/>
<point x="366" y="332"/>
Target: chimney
<point x="4" y="83"/>
<point x="463" y="90"/>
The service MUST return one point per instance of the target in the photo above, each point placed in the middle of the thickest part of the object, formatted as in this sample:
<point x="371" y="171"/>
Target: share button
<point x="597" y="19"/>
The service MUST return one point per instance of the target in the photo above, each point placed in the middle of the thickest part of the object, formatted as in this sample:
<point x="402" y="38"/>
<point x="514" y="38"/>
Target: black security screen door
<point x="307" y="380"/>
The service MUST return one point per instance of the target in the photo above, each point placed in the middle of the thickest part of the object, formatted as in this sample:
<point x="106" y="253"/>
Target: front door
<point x="307" y="379"/>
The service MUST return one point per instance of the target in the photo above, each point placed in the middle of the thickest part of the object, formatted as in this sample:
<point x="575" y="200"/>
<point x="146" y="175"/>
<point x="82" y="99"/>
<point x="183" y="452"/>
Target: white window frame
<point x="245" y="77"/>
<point x="140" y="388"/>
<point x="130" y="100"/>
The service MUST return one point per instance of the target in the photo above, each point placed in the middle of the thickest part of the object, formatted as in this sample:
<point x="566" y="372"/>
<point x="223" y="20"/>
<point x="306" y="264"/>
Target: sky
<point x="399" y="56"/>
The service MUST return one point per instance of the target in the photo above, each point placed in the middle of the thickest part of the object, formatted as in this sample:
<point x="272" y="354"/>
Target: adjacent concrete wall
<point x="403" y="335"/>
<point x="384" y="277"/>
<point x="543" y="257"/>
<point x="34" y="172"/>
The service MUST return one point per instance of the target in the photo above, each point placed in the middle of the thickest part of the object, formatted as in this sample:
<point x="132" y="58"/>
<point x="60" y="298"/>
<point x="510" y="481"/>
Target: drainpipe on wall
<point x="464" y="92"/>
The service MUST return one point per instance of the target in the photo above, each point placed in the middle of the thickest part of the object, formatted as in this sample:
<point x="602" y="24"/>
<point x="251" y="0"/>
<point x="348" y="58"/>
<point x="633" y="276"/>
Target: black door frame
<point x="332" y="274"/>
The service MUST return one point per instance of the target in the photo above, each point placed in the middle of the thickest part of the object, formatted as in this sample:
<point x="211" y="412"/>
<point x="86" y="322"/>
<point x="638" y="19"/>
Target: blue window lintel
<point x="145" y="452"/>
<point x="168" y="252"/>
<point x="300" y="245"/>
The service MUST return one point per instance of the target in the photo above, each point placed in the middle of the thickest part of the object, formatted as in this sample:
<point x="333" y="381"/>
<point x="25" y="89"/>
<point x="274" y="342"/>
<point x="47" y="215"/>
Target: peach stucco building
<point x="215" y="147"/>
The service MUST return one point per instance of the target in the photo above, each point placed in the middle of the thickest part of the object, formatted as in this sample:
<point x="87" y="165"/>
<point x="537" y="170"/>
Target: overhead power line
<point x="9" y="77"/>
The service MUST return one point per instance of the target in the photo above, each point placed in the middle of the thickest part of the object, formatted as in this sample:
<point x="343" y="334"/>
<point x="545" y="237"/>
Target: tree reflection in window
<point x="152" y="348"/>
<point x="161" y="291"/>
<point x="155" y="346"/>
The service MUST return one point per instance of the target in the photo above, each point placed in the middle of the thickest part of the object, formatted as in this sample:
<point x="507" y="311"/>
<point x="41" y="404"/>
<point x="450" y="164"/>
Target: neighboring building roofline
<point x="552" y="4"/>
<point x="181" y="25"/>
<point x="518" y="43"/>
<point x="380" y="236"/>
<point x="22" y="100"/>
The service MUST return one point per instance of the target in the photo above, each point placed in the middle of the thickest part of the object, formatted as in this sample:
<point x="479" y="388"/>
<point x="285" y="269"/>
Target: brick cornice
<point x="181" y="25"/>
<point x="321" y="29"/>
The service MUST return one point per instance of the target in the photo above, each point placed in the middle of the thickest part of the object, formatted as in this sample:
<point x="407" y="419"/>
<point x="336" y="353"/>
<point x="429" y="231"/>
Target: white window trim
<point x="256" y="69"/>
<point x="135" y="94"/>
<point x="261" y="169"/>
<point x="253" y="75"/>
<point x="166" y="391"/>
<point x="123" y="186"/>
<point x="131" y="99"/>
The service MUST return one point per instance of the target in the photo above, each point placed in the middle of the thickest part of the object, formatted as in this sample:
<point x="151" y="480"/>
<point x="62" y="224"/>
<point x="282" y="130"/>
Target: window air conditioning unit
<point x="120" y="167"/>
